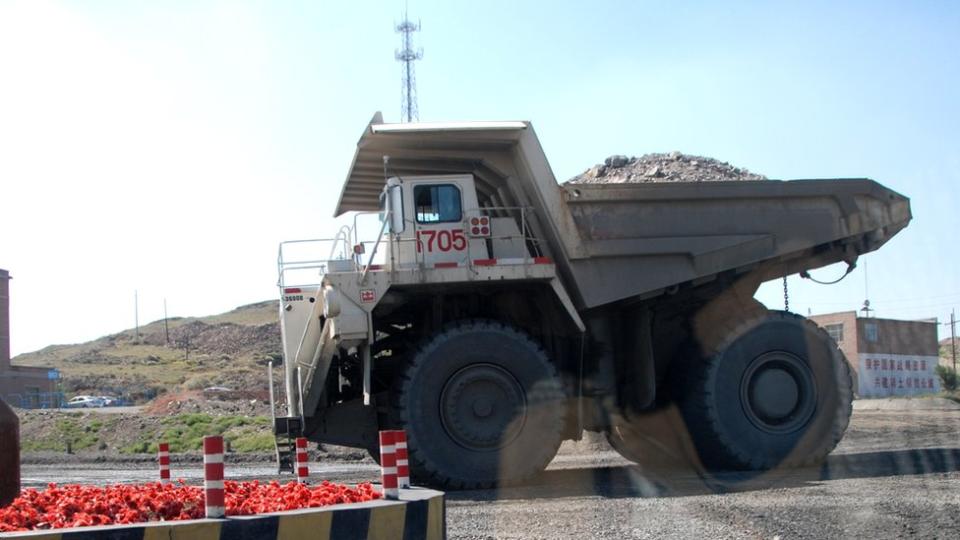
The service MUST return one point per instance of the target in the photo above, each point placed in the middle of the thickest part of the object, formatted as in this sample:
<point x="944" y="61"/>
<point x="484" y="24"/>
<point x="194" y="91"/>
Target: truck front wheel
<point x="481" y="404"/>
<point x="775" y="392"/>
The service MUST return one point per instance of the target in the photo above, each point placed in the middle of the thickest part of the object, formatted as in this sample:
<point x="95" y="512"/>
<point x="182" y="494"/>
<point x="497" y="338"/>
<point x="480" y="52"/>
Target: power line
<point x="919" y="298"/>
<point x="885" y="303"/>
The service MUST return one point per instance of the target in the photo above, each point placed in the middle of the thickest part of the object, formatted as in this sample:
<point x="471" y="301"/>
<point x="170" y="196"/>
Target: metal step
<point x="286" y="429"/>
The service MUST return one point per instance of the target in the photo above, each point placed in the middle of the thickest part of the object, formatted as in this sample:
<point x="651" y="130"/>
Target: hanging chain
<point x="786" y="295"/>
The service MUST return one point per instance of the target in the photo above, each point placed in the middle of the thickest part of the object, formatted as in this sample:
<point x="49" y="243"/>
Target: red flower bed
<point x="78" y="506"/>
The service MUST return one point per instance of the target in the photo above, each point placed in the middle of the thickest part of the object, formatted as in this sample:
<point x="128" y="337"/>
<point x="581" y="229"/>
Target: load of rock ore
<point x="672" y="167"/>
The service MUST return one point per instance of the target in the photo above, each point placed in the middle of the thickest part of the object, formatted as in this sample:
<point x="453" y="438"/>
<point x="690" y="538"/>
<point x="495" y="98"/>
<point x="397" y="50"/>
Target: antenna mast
<point x="407" y="55"/>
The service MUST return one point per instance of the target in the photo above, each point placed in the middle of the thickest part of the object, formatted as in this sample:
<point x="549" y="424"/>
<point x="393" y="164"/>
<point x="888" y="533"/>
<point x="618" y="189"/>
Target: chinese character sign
<point x="897" y="375"/>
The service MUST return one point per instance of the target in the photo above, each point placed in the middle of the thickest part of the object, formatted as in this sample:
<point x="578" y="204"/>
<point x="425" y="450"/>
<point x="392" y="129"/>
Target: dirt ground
<point x="895" y="474"/>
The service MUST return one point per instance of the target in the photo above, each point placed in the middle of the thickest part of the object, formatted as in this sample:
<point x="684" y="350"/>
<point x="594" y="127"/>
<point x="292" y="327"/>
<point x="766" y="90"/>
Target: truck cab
<point x="437" y="221"/>
<point x="430" y="218"/>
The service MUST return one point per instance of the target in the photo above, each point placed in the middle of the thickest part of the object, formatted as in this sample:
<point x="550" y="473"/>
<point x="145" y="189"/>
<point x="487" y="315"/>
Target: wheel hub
<point x="778" y="392"/>
<point x="482" y="407"/>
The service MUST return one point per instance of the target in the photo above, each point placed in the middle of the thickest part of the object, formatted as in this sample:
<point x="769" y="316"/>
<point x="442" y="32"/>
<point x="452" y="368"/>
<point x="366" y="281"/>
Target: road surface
<point x="896" y="474"/>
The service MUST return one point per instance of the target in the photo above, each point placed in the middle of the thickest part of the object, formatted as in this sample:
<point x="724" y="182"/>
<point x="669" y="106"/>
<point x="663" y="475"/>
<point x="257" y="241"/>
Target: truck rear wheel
<point x="775" y="392"/>
<point x="482" y="405"/>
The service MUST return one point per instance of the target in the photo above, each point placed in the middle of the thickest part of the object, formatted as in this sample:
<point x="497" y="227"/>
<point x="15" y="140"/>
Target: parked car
<point x="84" y="402"/>
<point x="111" y="401"/>
<point x="222" y="393"/>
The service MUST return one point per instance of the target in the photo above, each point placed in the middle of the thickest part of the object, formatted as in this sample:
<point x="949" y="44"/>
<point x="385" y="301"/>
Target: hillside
<point x="230" y="349"/>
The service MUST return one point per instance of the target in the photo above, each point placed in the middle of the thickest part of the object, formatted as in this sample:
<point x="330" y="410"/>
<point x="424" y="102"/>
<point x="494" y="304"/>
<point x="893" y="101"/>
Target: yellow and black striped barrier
<point x="419" y="514"/>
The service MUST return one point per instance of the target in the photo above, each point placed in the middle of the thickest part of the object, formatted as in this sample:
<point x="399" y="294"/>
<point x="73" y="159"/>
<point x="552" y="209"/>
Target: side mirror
<point x="395" y="205"/>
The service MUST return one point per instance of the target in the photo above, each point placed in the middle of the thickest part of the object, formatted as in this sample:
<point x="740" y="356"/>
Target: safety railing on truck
<point x="304" y="262"/>
<point x="519" y="214"/>
<point x="347" y="252"/>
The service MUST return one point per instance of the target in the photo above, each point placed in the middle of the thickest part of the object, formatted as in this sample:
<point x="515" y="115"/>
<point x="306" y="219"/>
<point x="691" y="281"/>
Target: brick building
<point x="21" y="385"/>
<point x="889" y="357"/>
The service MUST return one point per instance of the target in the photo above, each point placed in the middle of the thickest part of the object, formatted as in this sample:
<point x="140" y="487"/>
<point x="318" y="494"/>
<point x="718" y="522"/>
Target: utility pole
<point x="953" y="339"/>
<point x="136" y="316"/>
<point x="866" y="293"/>
<point x="166" y="329"/>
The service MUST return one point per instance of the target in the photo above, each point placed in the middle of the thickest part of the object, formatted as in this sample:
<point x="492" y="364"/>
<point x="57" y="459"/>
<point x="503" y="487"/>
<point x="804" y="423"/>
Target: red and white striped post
<point x="213" y="494"/>
<point x="403" y="463"/>
<point x="163" y="458"/>
<point x="302" y="471"/>
<point x="388" y="465"/>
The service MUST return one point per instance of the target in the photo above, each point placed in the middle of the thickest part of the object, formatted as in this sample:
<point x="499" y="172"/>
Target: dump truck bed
<point x="642" y="238"/>
<point x="614" y="242"/>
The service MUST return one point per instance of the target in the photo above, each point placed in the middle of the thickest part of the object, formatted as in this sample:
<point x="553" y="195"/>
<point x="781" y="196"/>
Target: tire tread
<point x="703" y="422"/>
<point x="549" y="392"/>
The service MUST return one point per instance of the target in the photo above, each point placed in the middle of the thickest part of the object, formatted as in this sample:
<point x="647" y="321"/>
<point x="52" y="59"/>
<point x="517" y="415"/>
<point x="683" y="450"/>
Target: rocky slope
<point x="228" y="350"/>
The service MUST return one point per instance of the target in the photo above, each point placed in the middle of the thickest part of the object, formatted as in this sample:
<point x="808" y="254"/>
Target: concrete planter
<point x="419" y="514"/>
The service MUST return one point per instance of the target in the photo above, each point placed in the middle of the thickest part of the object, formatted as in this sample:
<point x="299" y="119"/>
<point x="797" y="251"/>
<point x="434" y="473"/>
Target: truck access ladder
<point x="286" y="429"/>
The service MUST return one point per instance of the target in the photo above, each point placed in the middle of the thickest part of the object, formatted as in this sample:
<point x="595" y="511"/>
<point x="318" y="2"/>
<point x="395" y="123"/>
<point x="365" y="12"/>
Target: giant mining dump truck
<point x="493" y="313"/>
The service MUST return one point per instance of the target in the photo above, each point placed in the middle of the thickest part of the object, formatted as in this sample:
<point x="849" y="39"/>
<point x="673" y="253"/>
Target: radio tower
<point x="407" y="55"/>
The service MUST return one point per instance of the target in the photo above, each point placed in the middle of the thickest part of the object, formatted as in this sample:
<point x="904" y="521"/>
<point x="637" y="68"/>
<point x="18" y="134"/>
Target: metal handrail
<point x="383" y="228"/>
<point x="306" y="264"/>
<point x="343" y="235"/>
<point x="348" y="237"/>
<point x="355" y="225"/>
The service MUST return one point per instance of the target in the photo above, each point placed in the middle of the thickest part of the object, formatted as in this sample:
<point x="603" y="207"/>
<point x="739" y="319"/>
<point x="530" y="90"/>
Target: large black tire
<point x="481" y="404"/>
<point x="776" y="392"/>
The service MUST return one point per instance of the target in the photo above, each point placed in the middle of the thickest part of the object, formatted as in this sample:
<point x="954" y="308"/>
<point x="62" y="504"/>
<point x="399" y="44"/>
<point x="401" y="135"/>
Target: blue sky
<point x="167" y="147"/>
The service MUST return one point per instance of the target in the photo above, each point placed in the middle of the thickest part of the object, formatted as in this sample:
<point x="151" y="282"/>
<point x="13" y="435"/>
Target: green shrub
<point x="70" y="430"/>
<point x="185" y="433"/>
<point x="139" y="447"/>
<point x="253" y="442"/>
<point x="190" y="419"/>
<point x="948" y="378"/>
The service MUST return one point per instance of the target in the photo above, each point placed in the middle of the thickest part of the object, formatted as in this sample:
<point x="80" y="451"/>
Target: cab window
<point x="437" y="203"/>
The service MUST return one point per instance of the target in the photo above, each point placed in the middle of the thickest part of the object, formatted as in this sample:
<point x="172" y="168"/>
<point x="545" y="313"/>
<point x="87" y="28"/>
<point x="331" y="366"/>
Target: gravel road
<point x="896" y="474"/>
